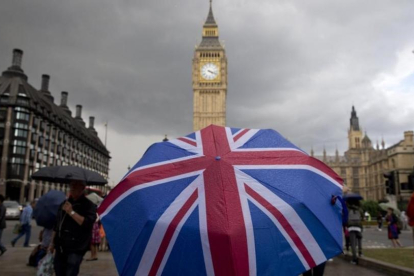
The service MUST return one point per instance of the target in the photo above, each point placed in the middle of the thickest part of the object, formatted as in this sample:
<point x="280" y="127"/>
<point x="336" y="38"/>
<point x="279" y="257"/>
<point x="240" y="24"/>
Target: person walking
<point x="95" y="241"/>
<point x="355" y="216"/>
<point x="72" y="233"/>
<point x="392" y="221"/>
<point x="2" y="223"/>
<point x="25" y="221"/>
<point x="379" y="221"/>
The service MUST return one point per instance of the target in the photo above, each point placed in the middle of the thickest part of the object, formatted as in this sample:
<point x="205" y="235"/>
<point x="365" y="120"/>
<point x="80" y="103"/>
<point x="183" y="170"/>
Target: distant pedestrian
<point x="379" y="221"/>
<point x="355" y="216"/>
<point x="410" y="213"/>
<point x="2" y="223"/>
<point x="404" y="220"/>
<point x="95" y="241"/>
<point x="26" y="227"/>
<point x="392" y="221"/>
<point x="73" y="231"/>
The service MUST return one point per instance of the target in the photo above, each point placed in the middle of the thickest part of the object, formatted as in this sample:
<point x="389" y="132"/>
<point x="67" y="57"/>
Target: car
<point x="13" y="209"/>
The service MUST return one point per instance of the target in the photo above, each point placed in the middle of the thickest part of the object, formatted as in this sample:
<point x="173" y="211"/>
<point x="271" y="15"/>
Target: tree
<point x="370" y="206"/>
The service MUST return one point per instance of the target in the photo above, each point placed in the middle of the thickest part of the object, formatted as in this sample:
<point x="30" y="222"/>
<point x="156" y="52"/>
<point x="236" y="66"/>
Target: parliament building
<point x="36" y="132"/>
<point x="363" y="165"/>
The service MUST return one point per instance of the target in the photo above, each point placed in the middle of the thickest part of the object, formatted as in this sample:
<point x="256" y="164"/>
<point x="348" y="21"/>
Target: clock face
<point x="209" y="71"/>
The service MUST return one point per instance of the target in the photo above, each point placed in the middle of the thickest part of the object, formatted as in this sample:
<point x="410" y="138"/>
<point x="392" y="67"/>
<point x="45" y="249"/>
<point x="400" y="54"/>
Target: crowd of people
<point x="77" y="229"/>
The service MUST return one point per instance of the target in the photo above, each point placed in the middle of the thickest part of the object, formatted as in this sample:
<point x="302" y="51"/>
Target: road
<point x="372" y="238"/>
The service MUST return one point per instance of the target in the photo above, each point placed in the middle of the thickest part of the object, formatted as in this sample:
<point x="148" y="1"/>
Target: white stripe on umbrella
<point x="291" y="216"/>
<point x="146" y="185"/>
<point x="161" y="227"/>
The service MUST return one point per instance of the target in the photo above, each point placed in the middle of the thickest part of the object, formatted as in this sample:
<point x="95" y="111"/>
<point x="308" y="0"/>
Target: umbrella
<point x="224" y="201"/>
<point x="47" y="207"/>
<point x="353" y="196"/>
<point x="65" y="174"/>
<point x="94" y="198"/>
<point x="385" y="206"/>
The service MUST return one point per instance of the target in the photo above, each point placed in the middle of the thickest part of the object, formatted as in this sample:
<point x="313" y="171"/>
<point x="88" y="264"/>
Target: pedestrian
<point x="379" y="221"/>
<point x="355" y="217"/>
<point x="392" y="221"/>
<point x="25" y="221"/>
<point x="95" y="241"/>
<point x="73" y="231"/>
<point x="410" y="213"/>
<point x="404" y="220"/>
<point x="2" y="223"/>
<point x="45" y="237"/>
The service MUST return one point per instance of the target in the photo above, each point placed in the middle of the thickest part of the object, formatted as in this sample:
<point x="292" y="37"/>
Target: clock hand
<point x="212" y="72"/>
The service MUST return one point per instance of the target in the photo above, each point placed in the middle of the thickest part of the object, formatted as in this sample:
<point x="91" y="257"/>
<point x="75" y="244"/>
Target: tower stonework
<point x="209" y="78"/>
<point x="355" y="132"/>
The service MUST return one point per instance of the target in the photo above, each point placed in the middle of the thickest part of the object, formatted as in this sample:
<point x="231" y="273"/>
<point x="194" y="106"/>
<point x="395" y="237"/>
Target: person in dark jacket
<point x="2" y="223"/>
<point x="73" y="231"/>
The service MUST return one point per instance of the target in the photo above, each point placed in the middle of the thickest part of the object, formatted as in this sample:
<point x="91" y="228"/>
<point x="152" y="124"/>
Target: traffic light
<point x="390" y="183"/>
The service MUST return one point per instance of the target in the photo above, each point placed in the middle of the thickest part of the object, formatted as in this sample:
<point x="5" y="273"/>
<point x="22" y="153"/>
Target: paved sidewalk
<point x="13" y="263"/>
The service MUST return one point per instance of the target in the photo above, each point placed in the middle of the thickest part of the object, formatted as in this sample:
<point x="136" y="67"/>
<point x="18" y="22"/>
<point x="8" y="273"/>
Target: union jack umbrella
<point x="224" y="201"/>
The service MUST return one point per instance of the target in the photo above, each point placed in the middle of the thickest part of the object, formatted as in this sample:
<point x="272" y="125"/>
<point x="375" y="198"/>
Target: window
<point x="20" y="133"/>
<point x="4" y="100"/>
<point x="19" y="150"/>
<point x="22" y="101"/>
<point x="21" y="125"/>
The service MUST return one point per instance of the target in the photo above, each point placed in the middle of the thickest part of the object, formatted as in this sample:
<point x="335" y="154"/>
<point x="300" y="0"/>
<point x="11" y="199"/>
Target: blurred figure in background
<point x="392" y="221"/>
<point x="25" y="220"/>
<point x="2" y="223"/>
<point x="379" y="221"/>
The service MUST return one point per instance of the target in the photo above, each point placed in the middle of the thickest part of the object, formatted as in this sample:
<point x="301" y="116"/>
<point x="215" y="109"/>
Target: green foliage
<point x="370" y="206"/>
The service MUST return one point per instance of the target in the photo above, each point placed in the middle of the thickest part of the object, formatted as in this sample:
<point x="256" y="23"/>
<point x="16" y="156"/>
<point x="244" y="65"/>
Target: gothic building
<point x="36" y="132"/>
<point x="209" y="77"/>
<point x="363" y="166"/>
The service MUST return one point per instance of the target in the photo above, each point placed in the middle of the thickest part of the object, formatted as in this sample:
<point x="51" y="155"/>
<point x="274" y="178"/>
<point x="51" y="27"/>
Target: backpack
<point x="354" y="217"/>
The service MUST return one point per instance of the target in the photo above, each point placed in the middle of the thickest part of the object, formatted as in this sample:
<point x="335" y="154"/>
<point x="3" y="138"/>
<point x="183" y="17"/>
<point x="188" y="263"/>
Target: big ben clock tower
<point x="209" y="78"/>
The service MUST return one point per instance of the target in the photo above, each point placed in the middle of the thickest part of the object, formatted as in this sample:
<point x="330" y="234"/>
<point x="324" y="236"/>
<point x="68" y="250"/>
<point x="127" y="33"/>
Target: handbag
<point x="45" y="267"/>
<point x="17" y="228"/>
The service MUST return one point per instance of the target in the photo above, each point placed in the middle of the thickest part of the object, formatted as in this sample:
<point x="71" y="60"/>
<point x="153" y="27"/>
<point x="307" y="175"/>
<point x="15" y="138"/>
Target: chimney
<point x="17" y="58"/>
<point x="78" y="111"/>
<point x="45" y="82"/>
<point x="91" y="122"/>
<point x="64" y="98"/>
<point x="408" y="138"/>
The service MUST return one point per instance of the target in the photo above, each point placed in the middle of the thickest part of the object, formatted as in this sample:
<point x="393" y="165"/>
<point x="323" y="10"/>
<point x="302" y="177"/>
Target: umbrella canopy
<point x="352" y="196"/>
<point x="94" y="198"/>
<point x="47" y="207"/>
<point x="65" y="174"/>
<point x="385" y="206"/>
<point x="224" y="201"/>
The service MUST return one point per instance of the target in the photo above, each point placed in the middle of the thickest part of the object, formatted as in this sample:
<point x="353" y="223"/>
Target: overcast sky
<point x="295" y="66"/>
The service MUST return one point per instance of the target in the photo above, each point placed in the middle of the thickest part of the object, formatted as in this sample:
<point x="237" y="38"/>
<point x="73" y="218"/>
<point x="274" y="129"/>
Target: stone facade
<point x="209" y="78"/>
<point x="363" y="166"/>
<point x="35" y="132"/>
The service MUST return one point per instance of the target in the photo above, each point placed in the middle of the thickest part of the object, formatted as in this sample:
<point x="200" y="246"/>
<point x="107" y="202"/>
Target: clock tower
<point x="209" y="78"/>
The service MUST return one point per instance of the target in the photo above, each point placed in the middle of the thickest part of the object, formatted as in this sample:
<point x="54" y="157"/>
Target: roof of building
<point x="210" y="42"/>
<point x="14" y="86"/>
<point x="210" y="17"/>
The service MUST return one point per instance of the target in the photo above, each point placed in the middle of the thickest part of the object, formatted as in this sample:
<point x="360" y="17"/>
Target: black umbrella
<point x="65" y="174"/>
<point x="47" y="207"/>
